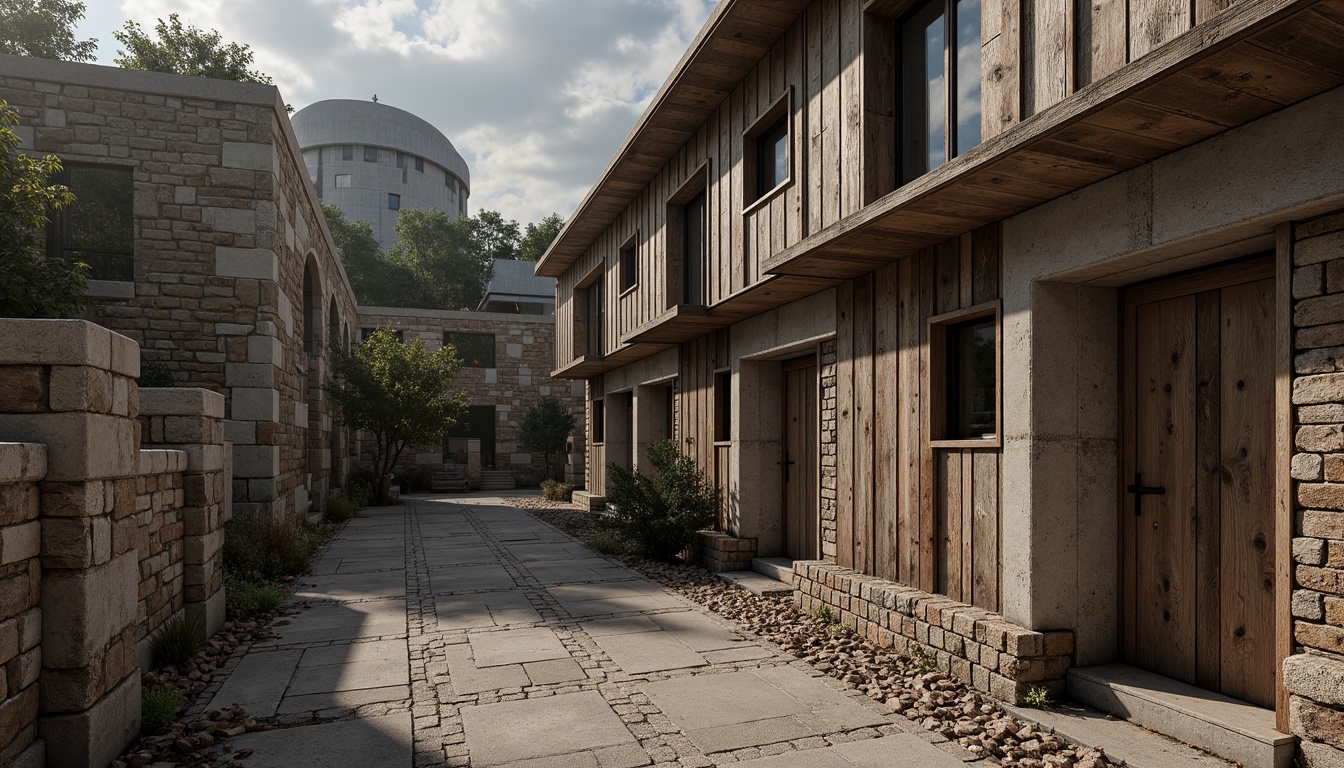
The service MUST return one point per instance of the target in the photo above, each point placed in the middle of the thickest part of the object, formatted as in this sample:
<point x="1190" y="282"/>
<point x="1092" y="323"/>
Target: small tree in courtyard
<point x="398" y="392"/>
<point x="546" y="428"/>
<point x="659" y="513"/>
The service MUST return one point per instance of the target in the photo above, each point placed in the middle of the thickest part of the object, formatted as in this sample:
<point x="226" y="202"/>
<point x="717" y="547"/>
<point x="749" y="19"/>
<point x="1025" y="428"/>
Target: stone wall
<point x="158" y="537"/>
<point x="21" y="467"/>
<point x="978" y="647"/>
<point x="524" y="354"/>
<point x="717" y="552"/>
<point x="1315" y="676"/>
<point x="828" y="449"/>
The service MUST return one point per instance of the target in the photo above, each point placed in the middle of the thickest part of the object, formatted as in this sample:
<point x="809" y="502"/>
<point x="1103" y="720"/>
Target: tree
<point x="660" y="512"/>
<point x="186" y="51"/>
<point x="43" y="29"/>
<point x="444" y="267"/>
<point x="546" y="428"/>
<point x="31" y="284"/>
<point x="494" y="236"/>
<point x="374" y="281"/>
<point x="538" y="237"/>
<point x="398" y="392"/>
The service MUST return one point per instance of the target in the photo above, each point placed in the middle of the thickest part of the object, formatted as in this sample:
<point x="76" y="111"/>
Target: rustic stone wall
<point x="158" y="537"/>
<point x="978" y="647"/>
<point x="1315" y="676"/>
<point x="828" y="450"/>
<point x="524" y="354"/>
<point x="22" y="466"/>
<point x="717" y="552"/>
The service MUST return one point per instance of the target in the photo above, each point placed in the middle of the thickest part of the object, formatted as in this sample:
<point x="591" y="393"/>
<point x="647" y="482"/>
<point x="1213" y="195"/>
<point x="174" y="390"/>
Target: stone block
<point x="1308" y="551"/>
<point x="250" y="156"/>
<point x="23" y="389"/>
<point x="22" y="462"/>
<point x="1310" y="720"/>
<point x="238" y="221"/>
<point x="255" y="263"/>
<point x="181" y="401"/>
<point x="251" y="375"/>
<point x="240" y="432"/>
<point x="125" y="356"/>
<point x="80" y="446"/>
<point x="266" y="350"/>
<point x="198" y="549"/>
<point x="1321" y="495"/>
<point x="256" y="461"/>
<point x="1321" y="524"/>
<point x="1308" y="605"/>
<point x="20" y="542"/>
<point x="55" y="342"/>
<point x="18" y="713"/>
<point x="76" y="542"/>
<point x="83" y="611"/>
<point x="1307" y="467"/>
<point x="80" y="388"/>
<point x="255" y="404"/>
<point x="95" y="737"/>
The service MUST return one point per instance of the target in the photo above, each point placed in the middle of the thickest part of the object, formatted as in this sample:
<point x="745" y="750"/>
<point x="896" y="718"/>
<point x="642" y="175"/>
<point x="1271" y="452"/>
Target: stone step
<point x="777" y="568"/>
<point x="756" y="583"/>
<point x="1224" y="726"/>
<point x="1124" y="742"/>
<point x="589" y="501"/>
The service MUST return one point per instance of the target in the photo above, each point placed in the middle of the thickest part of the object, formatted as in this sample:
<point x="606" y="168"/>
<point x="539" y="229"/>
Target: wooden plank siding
<point x="908" y="510"/>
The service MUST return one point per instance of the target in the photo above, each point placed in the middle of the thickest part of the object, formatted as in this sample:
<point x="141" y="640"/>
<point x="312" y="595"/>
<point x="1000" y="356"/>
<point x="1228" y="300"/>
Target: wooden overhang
<point x="1254" y="58"/>
<point x="587" y="366"/>
<point x="686" y="321"/>
<point x="735" y="38"/>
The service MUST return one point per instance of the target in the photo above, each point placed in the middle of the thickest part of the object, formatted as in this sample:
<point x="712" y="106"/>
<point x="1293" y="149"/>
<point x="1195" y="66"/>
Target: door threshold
<point x="1229" y="728"/>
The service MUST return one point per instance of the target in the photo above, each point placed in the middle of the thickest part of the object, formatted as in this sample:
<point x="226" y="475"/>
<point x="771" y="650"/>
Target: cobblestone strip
<point x="432" y="726"/>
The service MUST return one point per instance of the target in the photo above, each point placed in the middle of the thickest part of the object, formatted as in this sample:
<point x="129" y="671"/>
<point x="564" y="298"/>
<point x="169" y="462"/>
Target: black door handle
<point x="1140" y="490"/>
<point x="787" y="463"/>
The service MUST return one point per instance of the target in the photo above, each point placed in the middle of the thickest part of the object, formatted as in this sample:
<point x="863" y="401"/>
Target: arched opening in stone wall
<point x="311" y="390"/>
<point x="335" y="456"/>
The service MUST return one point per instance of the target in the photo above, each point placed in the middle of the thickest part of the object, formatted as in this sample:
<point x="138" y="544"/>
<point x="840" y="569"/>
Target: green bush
<point x="158" y="709"/>
<point x="177" y="641"/>
<point x="607" y="545"/>
<point x="262" y="550"/>
<point x="244" y="599"/>
<point x="339" y="508"/>
<point x="552" y="490"/>
<point x="154" y="373"/>
<point x="660" y="513"/>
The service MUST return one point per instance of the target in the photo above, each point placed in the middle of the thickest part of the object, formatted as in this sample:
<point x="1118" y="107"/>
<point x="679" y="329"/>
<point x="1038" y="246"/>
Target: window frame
<point x="58" y="231"/>
<point x="347" y="152"/>
<point x="420" y="164"/>
<point x="942" y="375"/>
<point x="336" y="181"/>
<point x="369" y="149"/>
<point x="393" y="201"/>
<point x="628" y="261"/>
<point x="676" y="274"/>
<point x="779" y="112"/>
<point x="951" y="78"/>
<point x="723" y="406"/>
<point x="593" y="314"/>
<point x="447" y="339"/>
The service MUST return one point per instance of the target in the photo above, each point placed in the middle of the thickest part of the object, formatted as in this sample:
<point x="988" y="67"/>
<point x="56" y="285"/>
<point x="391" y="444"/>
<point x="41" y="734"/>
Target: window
<point x="462" y="204"/>
<point x="629" y="265"/>
<point x="595" y="315"/>
<point x="723" y="406"/>
<point x="98" y="228"/>
<point x="475" y="350"/>
<point x="599" y="422"/>
<point x="342" y="181"/>
<point x="393" y="201"/>
<point x="694" y="252"/>
<point x="420" y="164"/>
<point x="965" y="349"/>
<point x="370" y="154"/>
<point x="401" y="160"/>
<point x="348" y="152"/>
<point x="772" y="157"/>
<point x="940" y="84"/>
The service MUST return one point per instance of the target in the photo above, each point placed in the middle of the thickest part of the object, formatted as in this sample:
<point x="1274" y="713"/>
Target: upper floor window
<point x="370" y="154"/>
<point x="420" y="164"/>
<point x="694" y="250"/>
<point x="475" y="350"/>
<point x="348" y="152"/>
<point x="393" y="201"/>
<point x="595" y="316"/>
<point x="98" y="228"/>
<point x="772" y="157"/>
<point x="629" y="266"/>
<point x="342" y="181"/>
<point x="940" y="84"/>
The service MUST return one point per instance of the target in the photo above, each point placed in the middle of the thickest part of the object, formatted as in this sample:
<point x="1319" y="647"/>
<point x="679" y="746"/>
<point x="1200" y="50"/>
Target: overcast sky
<point x="537" y="95"/>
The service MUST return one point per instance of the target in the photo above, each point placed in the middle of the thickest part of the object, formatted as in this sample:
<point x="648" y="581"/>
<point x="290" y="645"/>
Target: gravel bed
<point x="916" y="690"/>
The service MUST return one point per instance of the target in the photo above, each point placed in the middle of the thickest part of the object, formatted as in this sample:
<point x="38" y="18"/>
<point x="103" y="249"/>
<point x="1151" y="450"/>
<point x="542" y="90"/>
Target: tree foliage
<point x="538" y="237"/>
<point x="546" y="428"/>
<point x="31" y="284"/>
<point x="660" y="512"/>
<point x="375" y="282"/>
<point x="44" y="29"/>
<point x="398" y="392"/>
<point x="494" y="236"/>
<point x="186" y="50"/>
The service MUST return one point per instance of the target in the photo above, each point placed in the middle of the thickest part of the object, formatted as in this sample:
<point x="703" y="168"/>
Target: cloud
<point x="537" y="95"/>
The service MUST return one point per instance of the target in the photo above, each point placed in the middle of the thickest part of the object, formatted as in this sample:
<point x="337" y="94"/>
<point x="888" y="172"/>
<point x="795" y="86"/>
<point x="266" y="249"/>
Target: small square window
<point x="348" y="152"/>
<point x="393" y="201"/>
<point x="98" y="228"/>
<point x="342" y="181"/>
<point x="475" y="350"/>
<point x="629" y="266"/>
<point x="599" y="421"/>
<point x="965" y="350"/>
<point x="772" y="157"/>
<point x="370" y="154"/>
<point x="420" y="164"/>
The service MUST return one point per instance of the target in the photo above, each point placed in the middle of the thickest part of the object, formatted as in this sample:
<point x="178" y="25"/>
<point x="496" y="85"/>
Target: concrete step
<point x="756" y="583"/>
<point x="1124" y="742"/>
<point x="777" y="568"/>
<point x="1229" y="728"/>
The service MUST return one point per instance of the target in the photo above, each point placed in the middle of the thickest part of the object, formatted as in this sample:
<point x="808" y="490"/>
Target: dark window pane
<point x="924" y="89"/>
<point x="348" y="152"/>
<point x="694" y="246"/>
<point x="98" y="228"/>
<point x="370" y="154"/>
<point x="393" y="201"/>
<point x="968" y="75"/>
<point x="597" y="314"/>
<point x="629" y="268"/>
<point x="973" y="369"/>
<point x="599" y="421"/>
<point x="772" y="157"/>
<point x="420" y="164"/>
<point x="475" y="350"/>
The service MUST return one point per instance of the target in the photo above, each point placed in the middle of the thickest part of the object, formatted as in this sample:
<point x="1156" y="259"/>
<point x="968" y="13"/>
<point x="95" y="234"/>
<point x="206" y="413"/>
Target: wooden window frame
<point x="950" y="86"/>
<point x="938" y="383"/>
<point x="599" y="421"/>
<point x="629" y="271"/>
<point x="697" y="183"/>
<point x="780" y="110"/>
<point x="583" y="293"/>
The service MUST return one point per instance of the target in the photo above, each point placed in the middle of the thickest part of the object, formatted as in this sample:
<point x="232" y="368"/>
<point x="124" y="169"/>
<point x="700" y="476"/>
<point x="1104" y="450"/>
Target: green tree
<point x="44" y="29"/>
<point x="398" y="392"/>
<point x="374" y="281"/>
<point x="660" y="512"/>
<point x="186" y="51"/>
<point x="538" y="237"/>
<point x="31" y="284"/>
<point x="494" y="236"/>
<point x="546" y="428"/>
<point x="441" y="262"/>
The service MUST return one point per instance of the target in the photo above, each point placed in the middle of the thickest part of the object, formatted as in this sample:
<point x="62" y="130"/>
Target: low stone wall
<point x="978" y="647"/>
<point x="21" y="467"/>
<point x="158" y="540"/>
<point x="717" y="552"/>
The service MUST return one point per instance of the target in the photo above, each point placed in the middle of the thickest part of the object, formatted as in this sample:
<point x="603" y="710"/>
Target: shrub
<point x="244" y="599"/>
<point x="1038" y="697"/>
<point x="177" y="641"/>
<point x="256" y="549"/>
<point x="339" y="508"/>
<point x="269" y="599"/>
<point x="417" y="479"/>
<point x="154" y="373"/>
<point x="660" y="513"/>
<point x="158" y="709"/>
<point x="607" y="545"/>
<point x="359" y="487"/>
<point x="552" y="490"/>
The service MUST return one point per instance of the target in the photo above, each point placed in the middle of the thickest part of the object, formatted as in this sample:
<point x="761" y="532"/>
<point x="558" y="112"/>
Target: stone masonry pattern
<point x="21" y="466"/>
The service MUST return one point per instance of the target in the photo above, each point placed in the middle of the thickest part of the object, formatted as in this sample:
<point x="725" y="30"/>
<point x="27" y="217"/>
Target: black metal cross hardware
<point x="787" y="463"/>
<point x="1140" y="490"/>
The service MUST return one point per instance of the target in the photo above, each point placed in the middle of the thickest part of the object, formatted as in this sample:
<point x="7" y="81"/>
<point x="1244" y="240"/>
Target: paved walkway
<point x="462" y="631"/>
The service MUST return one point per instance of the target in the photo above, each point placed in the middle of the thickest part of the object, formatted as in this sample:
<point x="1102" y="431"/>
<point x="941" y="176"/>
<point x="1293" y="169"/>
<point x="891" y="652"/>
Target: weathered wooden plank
<point x="908" y="450"/>
<point x="1208" y="491"/>
<point x="1000" y="66"/>
<point x="927" y="524"/>
<point x="1100" y="40"/>
<point x="948" y="271"/>
<point x="832" y="114"/>
<point x="864" y="448"/>
<point x="985" y="530"/>
<point x="844" y="406"/>
<point x="966" y="269"/>
<point x="985" y="248"/>
<point x="1284" y="509"/>
<point x="733" y="268"/>
<point x="795" y="197"/>
<point x="1153" y="22"/>
<point x="814" y="98"/>
<point x="851" y="94"/>
<point x="948" y="504"/>
<point x="879" y="107"/>
<point x="1048" y="61"/>
<point x="966" y="557"/>
<point x="887" y="408"/>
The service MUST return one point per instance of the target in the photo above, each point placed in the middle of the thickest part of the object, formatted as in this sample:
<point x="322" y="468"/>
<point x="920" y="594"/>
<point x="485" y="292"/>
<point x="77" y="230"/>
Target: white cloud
<point x="536" y="94"/>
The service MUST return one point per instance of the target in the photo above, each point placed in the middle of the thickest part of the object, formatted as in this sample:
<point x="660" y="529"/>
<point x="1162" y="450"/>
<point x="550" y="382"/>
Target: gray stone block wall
<point x="22" y="466"/>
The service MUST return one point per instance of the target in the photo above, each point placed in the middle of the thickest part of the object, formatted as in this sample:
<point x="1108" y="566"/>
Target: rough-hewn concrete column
<point x="192" y="420"/>
<point x="80" y="400"/>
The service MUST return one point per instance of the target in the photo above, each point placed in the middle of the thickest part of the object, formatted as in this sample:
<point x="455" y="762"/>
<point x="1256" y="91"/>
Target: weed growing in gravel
<point x="824" y="613"/>
<point x="607" y="545"/>
<point x="177" y="641"/>
<point x="158" y="709"/>
<point x="1038" y="697"/>
<point x="838" y="629"/>
<point x="243" y="598"/>
<point x="926" y="661"/>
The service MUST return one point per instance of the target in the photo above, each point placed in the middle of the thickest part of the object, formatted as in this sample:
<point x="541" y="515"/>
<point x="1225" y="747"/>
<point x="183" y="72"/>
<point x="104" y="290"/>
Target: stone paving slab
<point x="484" y="609"/>
<point x="643" y="652"/>
<point x="897" y="751"/>
<point x="516" y="646"/>
<point x="317" y="702"/>
<point x="379" y="741"/>
<point x="460" y="556"/>
<point x="371" y="673"/>
<point x="324" y="623"/>
<point x="358" y="586"/>
<point x="511" y="731"/>
<point x="258" y="682"/>
<point x="355" y="653"/>
<point x="470" y="578"/>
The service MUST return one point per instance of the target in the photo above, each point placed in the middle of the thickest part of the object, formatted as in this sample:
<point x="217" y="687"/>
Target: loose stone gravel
<point x="917" y="691"/>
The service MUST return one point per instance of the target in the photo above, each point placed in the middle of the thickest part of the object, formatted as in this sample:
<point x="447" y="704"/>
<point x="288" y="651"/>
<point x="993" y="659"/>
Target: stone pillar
<point x="192" y="421"/>
<point x="22" y="466"/>
<point x="80" y="400"/>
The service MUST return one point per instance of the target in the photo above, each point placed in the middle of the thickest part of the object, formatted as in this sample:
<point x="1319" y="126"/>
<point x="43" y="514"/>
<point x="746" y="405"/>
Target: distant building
<point x="513" y="289"/>
<point x="372" y="160"/>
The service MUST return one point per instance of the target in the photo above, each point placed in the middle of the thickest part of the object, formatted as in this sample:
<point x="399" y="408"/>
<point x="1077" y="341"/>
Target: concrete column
<point x="755" y="489"/>
<point x="191" y="420"/>
<point x="82" y="403"/>
<point x="650" y="413"/>
<point x="618" y="415"/>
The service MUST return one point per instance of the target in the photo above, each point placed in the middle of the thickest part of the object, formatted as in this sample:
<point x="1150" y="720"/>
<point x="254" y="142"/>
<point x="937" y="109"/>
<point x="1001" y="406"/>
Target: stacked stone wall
<point x="22" y="466"/>
<point x="829" y="502"/>
<point x="158" y="536"/>
<point x="717" y="552"/>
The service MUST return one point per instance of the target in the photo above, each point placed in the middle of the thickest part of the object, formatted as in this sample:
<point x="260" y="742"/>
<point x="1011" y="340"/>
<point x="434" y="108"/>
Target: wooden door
<point x="1198" y="424"/>
<point x="802" y="516"/>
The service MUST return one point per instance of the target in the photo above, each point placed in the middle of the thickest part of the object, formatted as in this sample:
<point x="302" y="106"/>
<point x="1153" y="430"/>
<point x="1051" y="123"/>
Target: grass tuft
<point x="177" y="641"/>
<point x="158" y="709"/>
